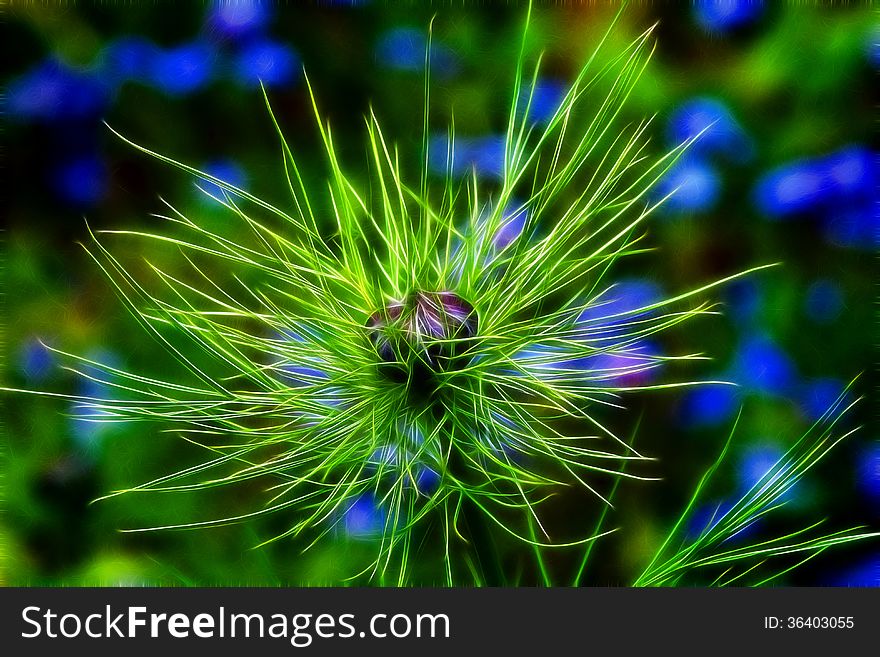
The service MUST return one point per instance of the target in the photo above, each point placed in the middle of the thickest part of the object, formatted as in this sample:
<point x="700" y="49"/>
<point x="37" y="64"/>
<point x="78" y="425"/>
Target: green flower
<point x="407" y="361"/>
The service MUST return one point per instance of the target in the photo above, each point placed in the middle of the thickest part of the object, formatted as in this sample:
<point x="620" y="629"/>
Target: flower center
<point x="425" y="333"/>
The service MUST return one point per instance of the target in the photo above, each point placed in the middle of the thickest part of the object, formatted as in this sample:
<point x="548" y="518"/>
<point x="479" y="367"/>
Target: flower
<point x="272" y="63"/>
<point x="81" y="180"/>
<point x="409" y="355"/>
<point x="183" y="69"/>
<point x="404" y="49"/>
<point x="238" y="19"/>
<point x="710" y="122"/>
<point x="726" y="15"/>
<point x="692" y="186"/>
<point x="54" y="91"/>
<point x="459" y="157"/>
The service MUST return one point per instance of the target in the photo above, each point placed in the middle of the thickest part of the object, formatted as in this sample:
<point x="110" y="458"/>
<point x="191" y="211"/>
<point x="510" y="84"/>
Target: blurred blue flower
<point x="694" y="186"/>
<point x="760" y="365"/>
<point x="483" y="154"/>
<point x="791" y="189"/>
<point x="710" y="406"/>
<point x="872" y="46"/>
<point x="427" y="479"/>
<point x="235" y="19"/>
<point x="607" y="320"/>
<point x="823" y="301"/>
<point x="725" y="15"/>
<point x="818" y="395"/>
<point x="754" y="463"/>
<point x="852" y="173"/>
<point x="183" y="69"/>
<point x="35" y="361"/>
<point x="855" y="227"/>
<point x="547" y="96"/>
<point x="93" y="383"/>
<point x="226" y="170"/>
<point x="744" y="298"/>
<point x="868" y="470"/>
<point x="721" y="132"/>
<point x="622" y="302"/>
<point x="635" y="366"/>
<point x="864" y="574"/>
<point x="128" y="59"/>
<point x="52" y="91"/>
<point x="89" y="425"/>
<point x="363" y="517"/>
<point x="270" y="62"/>
<point x="305" y="372"/>
<point x="409" y="459"/>
<point x="81" y="181"/>
<point x="705" y="517"/>
<point x="844" y="180"/>
<point x="403" y="49"/>
<point x="513" y="224"/>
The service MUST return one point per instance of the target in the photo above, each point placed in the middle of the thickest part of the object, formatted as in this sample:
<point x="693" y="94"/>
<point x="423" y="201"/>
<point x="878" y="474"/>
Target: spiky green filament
<point x="715" y="557"/>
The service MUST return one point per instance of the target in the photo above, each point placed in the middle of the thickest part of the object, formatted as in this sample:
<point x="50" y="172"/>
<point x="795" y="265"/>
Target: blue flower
<point x="631" y="367"/>
<point x="755" y="463"/>
<point x="602" y="325"/>
<point x="53" y="91"/>
<point x="845" y="179"/>
<point x="761" y="366"/>
<point x="868" y="470"/>
<point x="852" y="173"/>
<point x="236" y="19"/>
<point x="706" y="517"/>
<point x="483" y="154"/>
<point x="35" y="361"/>
<point x="512" y="224"/>
<point x="621" y="302"/>
<point x="427" y="479"/>
<point x="363" y="517"/>
<point x="710" y="405"/>
<point x="404" y="48"/>
<point x="89" y="425"/>
<point x="547" y="96"/>
<point x="693" y="184"/>
<point x="856" y="227"/>
<point x="864" y="574"/>
<point x="304" y="372"/>
<point x="792" y="189"/>
<point x="744" y="298"/>
<point x="408" y="458"/>
<point x="81" y="181"/>
<point x="719" y="131"/>
<point x="823" y="301"/>
<point x="872" y="47"/>
<point x="272" y="63"/>
<point x="184" y="69"/>
<point x="818" y="396"/>
<point x="226" y="170"/>
<point x="128" y="59"/>
<point x="726" y="15"/>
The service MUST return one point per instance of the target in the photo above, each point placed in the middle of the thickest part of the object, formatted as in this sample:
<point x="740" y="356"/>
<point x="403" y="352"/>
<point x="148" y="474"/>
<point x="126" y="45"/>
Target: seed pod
<point x="432" y="330"/>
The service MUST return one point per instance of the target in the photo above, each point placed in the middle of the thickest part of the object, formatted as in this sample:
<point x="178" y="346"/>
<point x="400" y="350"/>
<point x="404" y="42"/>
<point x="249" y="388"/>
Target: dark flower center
<point x="427" y="332"/>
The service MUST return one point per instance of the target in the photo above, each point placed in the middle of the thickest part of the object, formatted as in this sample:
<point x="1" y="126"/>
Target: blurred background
<point x="787" y="173"/>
